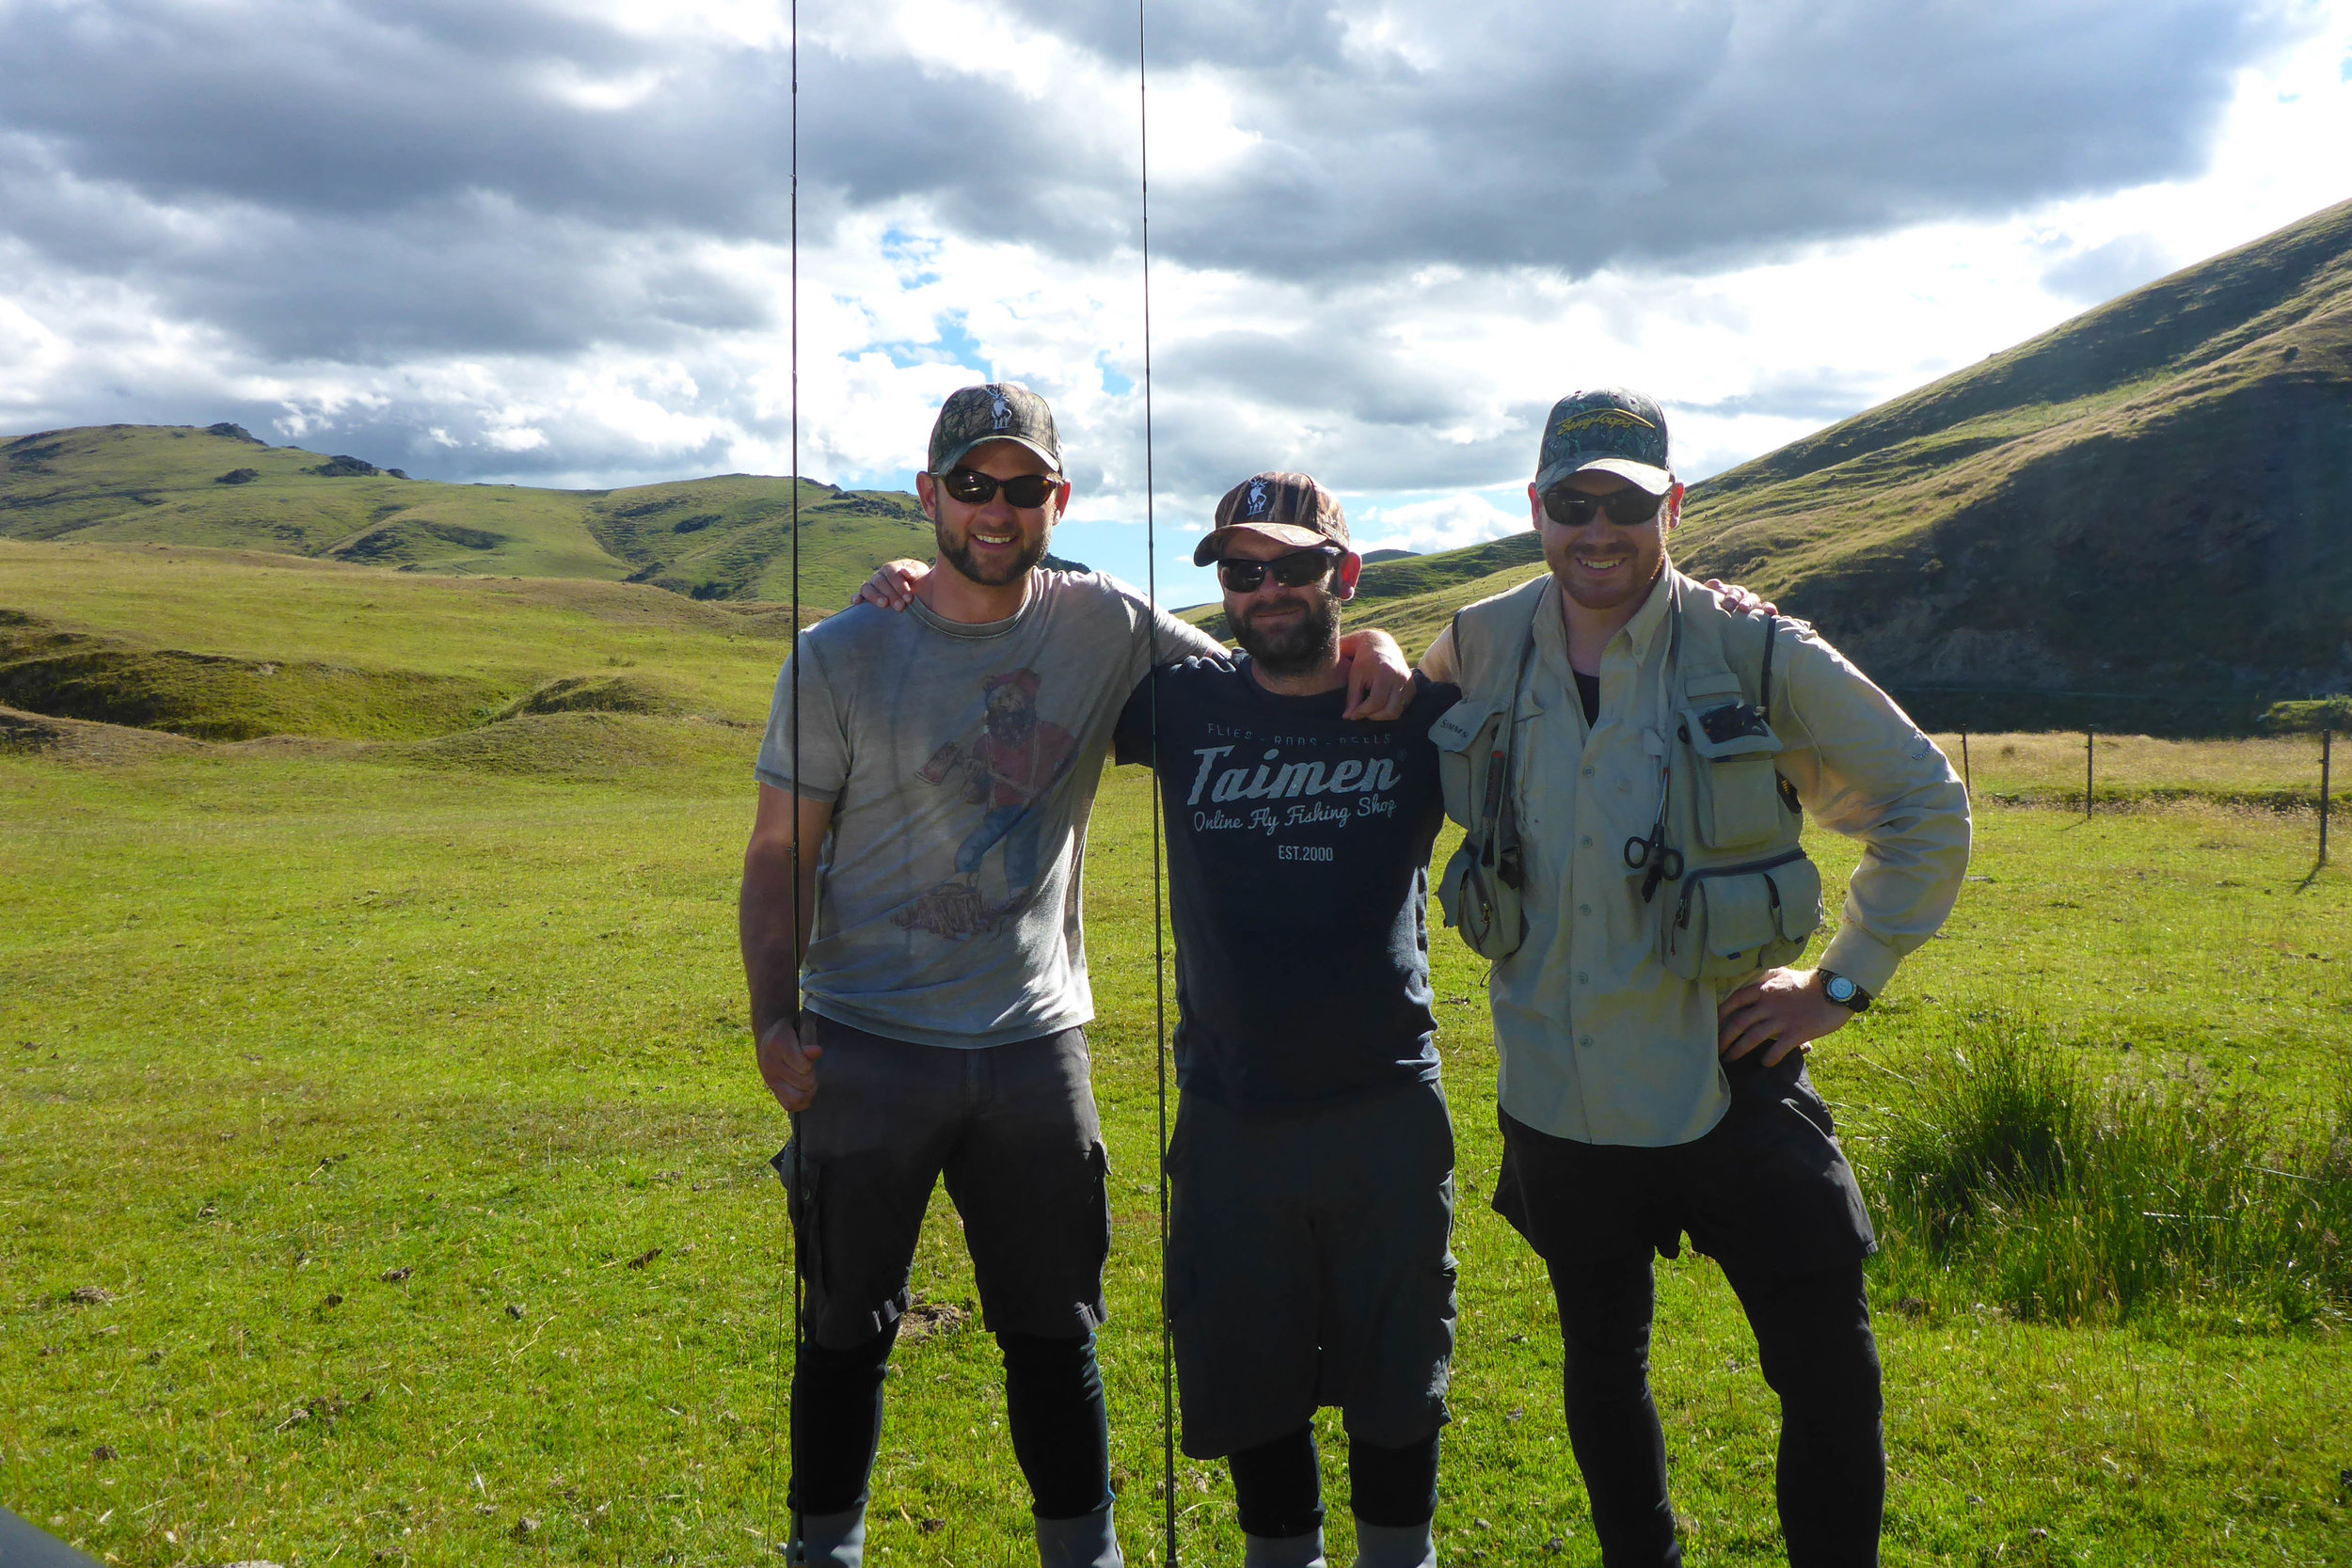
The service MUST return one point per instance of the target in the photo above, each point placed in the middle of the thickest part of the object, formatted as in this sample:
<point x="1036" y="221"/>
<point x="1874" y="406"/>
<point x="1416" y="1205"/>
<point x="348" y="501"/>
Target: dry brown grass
<point x="2047" y="767"/>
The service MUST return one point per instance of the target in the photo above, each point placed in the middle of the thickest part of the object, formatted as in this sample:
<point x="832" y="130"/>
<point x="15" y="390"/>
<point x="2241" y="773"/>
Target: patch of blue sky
<point x="1113" y="383"/>
<point x="952" y="345"/>
<point x="912" y="255"/>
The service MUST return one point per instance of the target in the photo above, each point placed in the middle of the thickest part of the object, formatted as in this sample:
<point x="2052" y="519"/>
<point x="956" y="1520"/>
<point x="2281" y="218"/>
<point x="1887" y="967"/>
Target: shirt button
<point x="1584" y="1039"/>
<point x="1586" y="840"/>
<point x="1583" y="978"/>
<point x="1588" y="769"/>
<point x="1584" y="908"/>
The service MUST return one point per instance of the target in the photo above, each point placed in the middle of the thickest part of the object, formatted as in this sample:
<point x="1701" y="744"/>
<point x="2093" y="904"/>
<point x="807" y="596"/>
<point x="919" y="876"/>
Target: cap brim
<point x="1656" y="480"/>
<point x="960" y="453"/>
<point x="1279" y="534"/>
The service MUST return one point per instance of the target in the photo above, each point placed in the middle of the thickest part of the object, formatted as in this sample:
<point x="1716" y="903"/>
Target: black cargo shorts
<point x="1308" y="1265"/>
<point x="1766" y="1192"/>
<point x="1013" y="1130"/>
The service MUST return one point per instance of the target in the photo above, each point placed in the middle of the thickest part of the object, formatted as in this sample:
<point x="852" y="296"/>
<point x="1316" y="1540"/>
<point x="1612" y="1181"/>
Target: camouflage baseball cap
<point x="1289" y="509"/>
<point x="1000" y="411"/>
<point x="1614" y="430"/>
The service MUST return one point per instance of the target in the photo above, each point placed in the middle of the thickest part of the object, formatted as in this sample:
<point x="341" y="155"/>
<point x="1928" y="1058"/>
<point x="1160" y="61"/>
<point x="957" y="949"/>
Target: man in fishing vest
<point x="1311" y="1171"/>
<point x="1632" y="758"/>
<point x="937" y="779"/>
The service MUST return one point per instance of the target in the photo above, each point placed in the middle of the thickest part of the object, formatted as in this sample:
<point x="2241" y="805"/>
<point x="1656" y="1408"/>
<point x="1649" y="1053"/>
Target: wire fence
<point x="2094" y="769"/>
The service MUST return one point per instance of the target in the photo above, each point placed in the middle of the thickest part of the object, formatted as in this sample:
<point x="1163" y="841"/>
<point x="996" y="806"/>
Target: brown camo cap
<point x="1290" y="509"/>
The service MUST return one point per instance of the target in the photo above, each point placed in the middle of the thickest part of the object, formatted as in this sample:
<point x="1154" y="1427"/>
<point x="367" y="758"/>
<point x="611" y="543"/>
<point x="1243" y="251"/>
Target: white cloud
<point x="549" y="245"/>
<point x="1443" y="523"/>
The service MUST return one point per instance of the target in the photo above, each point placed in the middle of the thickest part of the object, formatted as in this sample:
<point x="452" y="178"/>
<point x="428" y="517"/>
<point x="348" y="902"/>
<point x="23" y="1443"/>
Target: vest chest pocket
<point x="1735" y="787"/>
<point x="1480" y="887"/>
<point x="1466" y="735"/>
<point x="1733" y="920"/>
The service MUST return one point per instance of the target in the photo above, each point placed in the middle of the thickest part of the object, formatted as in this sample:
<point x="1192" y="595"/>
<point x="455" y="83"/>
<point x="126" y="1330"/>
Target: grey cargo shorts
<point x="1308" y="1265"/>
<point x="1013" y="1130"/>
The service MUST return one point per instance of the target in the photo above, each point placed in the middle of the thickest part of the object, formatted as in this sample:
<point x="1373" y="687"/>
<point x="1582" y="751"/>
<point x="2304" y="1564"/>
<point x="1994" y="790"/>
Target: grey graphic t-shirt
<point x="961" y="762"/>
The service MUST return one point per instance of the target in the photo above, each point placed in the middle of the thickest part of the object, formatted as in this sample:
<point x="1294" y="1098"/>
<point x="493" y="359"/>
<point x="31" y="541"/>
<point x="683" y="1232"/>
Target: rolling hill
<point x="727" y="537"/>
<point x="103" y="644"/>
<point x="2141" y="519"/>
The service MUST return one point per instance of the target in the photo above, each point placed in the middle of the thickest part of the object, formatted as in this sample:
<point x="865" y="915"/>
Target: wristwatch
<point x="1844" y="992"/>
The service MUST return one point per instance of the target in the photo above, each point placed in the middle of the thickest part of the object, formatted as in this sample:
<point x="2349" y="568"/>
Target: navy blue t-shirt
<point x="1298" y="863"/>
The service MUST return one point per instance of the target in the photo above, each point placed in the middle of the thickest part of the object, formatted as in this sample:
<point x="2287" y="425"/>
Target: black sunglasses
<point x="975" y="488"/>
<point x="1628" y="508"/>
<point x="1295" y="570"/>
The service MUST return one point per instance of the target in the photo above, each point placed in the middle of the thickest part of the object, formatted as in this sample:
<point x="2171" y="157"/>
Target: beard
<point x="959" y="554"/>
<point x="1297" y="646"/>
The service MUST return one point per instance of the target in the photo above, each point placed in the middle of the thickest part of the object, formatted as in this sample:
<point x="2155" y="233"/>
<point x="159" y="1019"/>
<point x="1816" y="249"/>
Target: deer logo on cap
<point x="999" y="406"/>
<point x="1256" y="501"/>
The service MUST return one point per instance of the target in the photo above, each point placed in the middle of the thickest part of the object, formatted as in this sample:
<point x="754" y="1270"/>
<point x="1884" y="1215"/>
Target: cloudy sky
<point x="548" y="242"/>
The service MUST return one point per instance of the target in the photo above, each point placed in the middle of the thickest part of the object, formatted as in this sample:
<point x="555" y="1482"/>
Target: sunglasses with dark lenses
<point x="1295" y="570"/>
<point x="1628" y="508"/>
<point x="974" y="488"/>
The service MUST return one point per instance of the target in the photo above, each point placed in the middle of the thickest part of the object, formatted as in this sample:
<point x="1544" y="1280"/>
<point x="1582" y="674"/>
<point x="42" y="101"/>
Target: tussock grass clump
<point x="593" y="694"/>
<point x="2011" y="1177"/>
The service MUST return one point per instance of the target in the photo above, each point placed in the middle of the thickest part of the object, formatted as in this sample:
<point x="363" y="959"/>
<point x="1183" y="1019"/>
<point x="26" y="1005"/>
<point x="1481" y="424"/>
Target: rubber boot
<point x="832" y="1540"/>
<point x="1089" y="1540"/>
<point x="1283" y="1551"/>
<point x="1395" y="1545"/>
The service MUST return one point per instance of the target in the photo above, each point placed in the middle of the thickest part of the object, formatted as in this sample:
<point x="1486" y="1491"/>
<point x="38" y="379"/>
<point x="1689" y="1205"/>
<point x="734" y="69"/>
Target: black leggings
<point x="1279" y="1488"/>
<point x="1052" y="1402"/>
<point x="1813" y="1338"/>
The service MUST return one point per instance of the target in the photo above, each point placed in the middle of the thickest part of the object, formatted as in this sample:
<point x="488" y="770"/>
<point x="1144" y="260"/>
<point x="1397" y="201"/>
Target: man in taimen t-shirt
<point x="929" y="1021"/>
<point x="1311" y="1170"/>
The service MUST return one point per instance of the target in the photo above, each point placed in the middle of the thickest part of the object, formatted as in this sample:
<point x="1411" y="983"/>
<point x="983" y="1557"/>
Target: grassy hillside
<point x="2152" y="497"/>
<point x="232" y="646"/>
<point x="727" y="537"/>
<point x="2151" y="504"/>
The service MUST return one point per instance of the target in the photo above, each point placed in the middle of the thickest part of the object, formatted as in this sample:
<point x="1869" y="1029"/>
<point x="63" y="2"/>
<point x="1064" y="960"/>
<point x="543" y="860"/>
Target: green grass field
<point x="382" y="1168"/>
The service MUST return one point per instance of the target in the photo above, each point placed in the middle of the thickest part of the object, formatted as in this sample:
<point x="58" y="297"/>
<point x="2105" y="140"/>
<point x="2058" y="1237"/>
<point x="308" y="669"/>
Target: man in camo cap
<point x="1646" y="895"/>
<point x="937" y="779"/>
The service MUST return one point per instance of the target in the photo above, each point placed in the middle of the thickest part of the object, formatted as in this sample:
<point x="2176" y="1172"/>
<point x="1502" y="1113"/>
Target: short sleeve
<point x="1437" y="664"/>
<point x="824" y="737"/>
<point x="1131" y="742"/>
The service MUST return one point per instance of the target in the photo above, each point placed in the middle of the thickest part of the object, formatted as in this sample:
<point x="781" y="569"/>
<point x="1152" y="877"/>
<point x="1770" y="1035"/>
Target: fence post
<point x="1967" y="780"/>
<point x="2091" y="745"/>
<point x="2326" y="744"/>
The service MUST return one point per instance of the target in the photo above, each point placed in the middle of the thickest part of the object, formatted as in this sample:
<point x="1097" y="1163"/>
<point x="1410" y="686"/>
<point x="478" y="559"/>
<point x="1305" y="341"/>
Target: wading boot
<point x="1283" y="1551"/>
<point x="1089" y="1540"/>
<point x="831" y="1540"/>
<point x="1395" y="1547"/>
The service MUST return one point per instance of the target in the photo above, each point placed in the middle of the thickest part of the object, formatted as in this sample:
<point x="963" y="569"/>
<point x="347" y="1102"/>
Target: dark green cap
<point x="1614" y="430"/>
<point x="1000" y="411"/>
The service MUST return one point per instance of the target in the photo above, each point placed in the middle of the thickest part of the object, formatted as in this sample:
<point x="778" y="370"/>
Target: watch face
<point x="1841" y="989"/>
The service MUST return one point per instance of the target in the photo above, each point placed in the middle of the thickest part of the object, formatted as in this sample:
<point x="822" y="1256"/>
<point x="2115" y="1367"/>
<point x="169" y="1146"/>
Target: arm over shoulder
<point x="1865" y="770"/>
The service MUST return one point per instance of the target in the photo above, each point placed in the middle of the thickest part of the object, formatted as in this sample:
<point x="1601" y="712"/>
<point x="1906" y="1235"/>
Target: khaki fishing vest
<point x="1730" y="888"/>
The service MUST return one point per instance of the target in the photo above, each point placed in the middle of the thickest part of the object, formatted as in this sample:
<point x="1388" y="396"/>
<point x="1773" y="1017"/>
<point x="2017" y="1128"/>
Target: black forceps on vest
<point x="1664" y="864"/>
